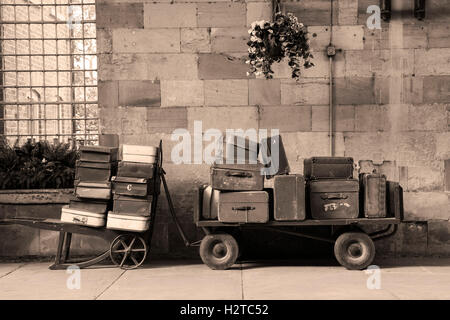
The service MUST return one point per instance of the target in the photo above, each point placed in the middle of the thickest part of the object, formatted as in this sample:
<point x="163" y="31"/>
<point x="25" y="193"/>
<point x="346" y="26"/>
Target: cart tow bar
<point x="187" y="243"/>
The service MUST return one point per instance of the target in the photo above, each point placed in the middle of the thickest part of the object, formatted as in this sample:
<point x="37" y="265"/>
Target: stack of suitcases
<point x="133" y="187"/>
<point x="93" y="173"/>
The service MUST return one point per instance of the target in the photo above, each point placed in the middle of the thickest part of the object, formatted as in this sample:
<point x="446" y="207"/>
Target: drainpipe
<point x="331" y="52"/>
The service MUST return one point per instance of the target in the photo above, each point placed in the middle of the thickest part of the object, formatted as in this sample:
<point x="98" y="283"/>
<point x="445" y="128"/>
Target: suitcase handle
<point x="243" y="208"/>
<point x="238" y="174"/>
<point x="334" y="196"/>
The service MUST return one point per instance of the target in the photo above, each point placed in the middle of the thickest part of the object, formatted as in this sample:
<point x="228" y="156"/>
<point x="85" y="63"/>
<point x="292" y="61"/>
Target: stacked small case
<point x="93" y="172"/>
<point x="133" y="187"/>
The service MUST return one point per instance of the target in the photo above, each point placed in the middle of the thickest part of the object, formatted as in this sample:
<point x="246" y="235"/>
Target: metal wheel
<point x="128" y="251"/>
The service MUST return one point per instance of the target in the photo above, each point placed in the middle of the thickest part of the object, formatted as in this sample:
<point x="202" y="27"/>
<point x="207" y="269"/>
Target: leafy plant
<point x="37" y="165"/>
<point x="271" y="42"/>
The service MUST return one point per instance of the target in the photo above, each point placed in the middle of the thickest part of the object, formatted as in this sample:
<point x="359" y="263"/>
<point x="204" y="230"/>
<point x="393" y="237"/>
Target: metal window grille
<point x="48" y="85"/>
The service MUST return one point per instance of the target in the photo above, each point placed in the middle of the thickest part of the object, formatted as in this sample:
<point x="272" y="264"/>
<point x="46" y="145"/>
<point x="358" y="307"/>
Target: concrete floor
<point x="400" y="279"/>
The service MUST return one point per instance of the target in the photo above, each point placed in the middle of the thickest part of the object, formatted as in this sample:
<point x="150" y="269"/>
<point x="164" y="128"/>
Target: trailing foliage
<point x="37" y="165"/>
<point x="272" y="41"/>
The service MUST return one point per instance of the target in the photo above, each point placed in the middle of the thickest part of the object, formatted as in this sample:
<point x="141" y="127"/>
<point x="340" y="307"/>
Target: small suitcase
<point x="373" y="194"/>
<point x="328" y="168"/>
<point x="95" y="171"/>
<point x="87" y="218"/>
<point x="274" y="156"/>
<point x="138" y="187"/>
<point x="334" y="199"/>
<point x="210" y="203"/>
<point x="394" y="200"/>
<point x="132" y="206"/>
<point x="93" y="190"/>
<point x="127" y="222"/>
<point x="89" y="205"/>
<point x="237" y="177"/>
<point x="98" y="153"/>
<point x="136" y="170"/>
<point x="244" y="207"/>
<point x="289" y="197"/>
<point x="240" y="150"/>
<point x="141" y="154"/>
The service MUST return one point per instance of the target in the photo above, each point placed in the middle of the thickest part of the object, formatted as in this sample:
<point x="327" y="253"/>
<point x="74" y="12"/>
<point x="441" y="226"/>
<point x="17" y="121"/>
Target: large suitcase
<point x="83" y="217"/>
<point x="95" y="206"/>
<point x="138" y="187"/>
<point x="136" y="170"/>
<point x="237" y="177"/>
<point x="334" y="199"/>
<point x="98" y="153"/>
<point x="132" y="206"/>
<point x="95" y="171"/>
<point x="141" y="154"/>
<point x="394" y="199"/>
<point x="274" y="156"/>
<point x="210" y="203"/>
<point x="244" y="207"/>
<point x="93" y="190"/>
<point x="289" y="197"/>
<point x="239" y="150"/>
<point x="127" y="222"/>
<point x="373" y="194"/>
<point x="328" y="168"/>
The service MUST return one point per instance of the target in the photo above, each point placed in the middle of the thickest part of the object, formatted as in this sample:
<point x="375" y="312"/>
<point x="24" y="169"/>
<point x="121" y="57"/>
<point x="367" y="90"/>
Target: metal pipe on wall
<point x="331" y="52"/>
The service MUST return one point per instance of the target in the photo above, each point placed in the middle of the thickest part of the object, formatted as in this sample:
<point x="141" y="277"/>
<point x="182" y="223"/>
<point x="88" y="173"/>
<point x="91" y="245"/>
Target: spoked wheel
<point x="128" y="251"/>
<point x="219" y="251"/>
<point x="354" y="250"/>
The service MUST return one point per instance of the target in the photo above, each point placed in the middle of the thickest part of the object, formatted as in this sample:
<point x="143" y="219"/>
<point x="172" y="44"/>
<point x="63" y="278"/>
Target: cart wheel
<point x="354" y="250"/>
<point x="128" y="251"/>
<point x="219" y="251"/>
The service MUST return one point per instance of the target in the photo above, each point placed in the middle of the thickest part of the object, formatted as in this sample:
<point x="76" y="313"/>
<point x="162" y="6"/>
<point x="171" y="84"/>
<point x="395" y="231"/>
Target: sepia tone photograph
<point x="224" y="154"/>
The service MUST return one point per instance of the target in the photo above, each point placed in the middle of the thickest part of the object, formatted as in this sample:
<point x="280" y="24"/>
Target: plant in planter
<point x="271" y="42"/>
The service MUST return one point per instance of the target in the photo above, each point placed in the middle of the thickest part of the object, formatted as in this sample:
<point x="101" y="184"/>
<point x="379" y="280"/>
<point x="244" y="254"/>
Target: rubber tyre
<point x="354" y="250"/>
<point x="219" y="251"/>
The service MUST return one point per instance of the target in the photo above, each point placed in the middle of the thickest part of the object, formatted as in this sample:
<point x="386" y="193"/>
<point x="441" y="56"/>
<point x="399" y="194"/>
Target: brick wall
<point x="164" y="64"/>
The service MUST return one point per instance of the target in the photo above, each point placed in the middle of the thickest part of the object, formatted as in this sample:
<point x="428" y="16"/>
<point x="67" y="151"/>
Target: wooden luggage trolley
<point x="128" y="250"/>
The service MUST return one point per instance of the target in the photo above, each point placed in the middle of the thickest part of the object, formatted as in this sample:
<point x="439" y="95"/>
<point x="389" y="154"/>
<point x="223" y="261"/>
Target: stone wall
<point x="164" y="64"/>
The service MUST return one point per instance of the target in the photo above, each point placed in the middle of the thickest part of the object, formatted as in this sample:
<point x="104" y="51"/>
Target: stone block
<point x="415" y="35"/>
<point x="170" y="15"/>
<point x="370" y="118"/>
<point x="347" y="12"/>
<point x="120" y="15"/>
<point x="229" y="39"/>
<point x="311" y="91"/>
<point x="344" y="37"/>
<point x="436" y="89"/>
<point x="108" y="93"/>
<point x="182" y="93"/>
<point x="432" y="61"/>
<point x="438" y="10"/>
<point x="140" y="93"/>
<point x="425" y="179"/>
<point x="221" y="14"/>
<point x="423" y="206"/>
<point x="264" y="92"/>
<point x="438" y="35"/>
<point x="361" y="90"/>
<point x="312" y="12"/>
<point x="412" y="90"/>
<point x="257" y="11"/>
<point x="134" y="121"/>
<point x="121" y="67"/>
<point x="439" y="237"/>
<point x="344" y="118"/>
<point x="442" y="145"/>
<point x="166" y="120"/>
<point x="286" y="118"/>
<point x="447" y="174"/>
<point x="222" y="66"/>
<point x="104" y="41"/>
<point x="146" y="40"/>
<point x="427" y="117"/>
<point x="377" y="39"/>
<point x="226" y="92"/>
<point x="195" y="40"/>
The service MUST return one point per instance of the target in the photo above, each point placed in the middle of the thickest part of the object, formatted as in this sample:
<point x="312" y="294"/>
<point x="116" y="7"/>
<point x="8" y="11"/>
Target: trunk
<point x="95" y="171"/>
<point x="82" y="217"/>
<point x="328" y="168"/>
<point x="136" y="170"/>
<point x="395" y="199"/>
<point x="138" y="187"/>
<point x="140" y="154"/>
<point x="276" y="164"/>
<point x="210" y="203"/>
<point x="373" y="194"/>
<point x="237" y="179"/>
<point x="244" y="207"/>
<point x="93" y="190"/>
<point x="89" y="205"/>
<point x="132" y="206"/>
<point x="98" y="154"/>
<point x="127" y="223"/>
<point x="289" y="198"/>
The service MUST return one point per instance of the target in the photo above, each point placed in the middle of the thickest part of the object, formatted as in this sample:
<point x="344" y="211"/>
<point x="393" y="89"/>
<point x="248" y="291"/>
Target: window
<point x="48" y="85"/>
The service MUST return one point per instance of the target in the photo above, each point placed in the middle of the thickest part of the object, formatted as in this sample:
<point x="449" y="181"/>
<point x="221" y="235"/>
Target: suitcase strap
<point x="243" y="208"/>
<point x="338" y="196"/>
<point x="238" y="174"/>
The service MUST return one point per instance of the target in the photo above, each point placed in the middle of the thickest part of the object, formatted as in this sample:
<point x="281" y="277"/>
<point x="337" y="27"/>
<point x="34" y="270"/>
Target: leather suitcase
<point x="89" y="205"/>
<point x="132" y="206"/>
<point x="95" y="171"/>
<point x="373" y="194"/>
<point x="93" y="190"/>
<point x="244" y="207"/>
<point x="394" y="200"/>
<point x="289" y="197"/>
<point x="328" y="168"/>
<point x="268" y="150"/>
<point x="140" y="154"/>
<point x="138" y="187"/>
<point x="82" y="217"/>
<point x="136" y="170"/>
<point x="210" y="203"/>
<point x="198" y="202"/>
<point x="240" y="150"/>
<point x="98" y="153"/>
<point x="334" y="199"/>
<point x="237" y="177"/>
<point x="127" y="222"/>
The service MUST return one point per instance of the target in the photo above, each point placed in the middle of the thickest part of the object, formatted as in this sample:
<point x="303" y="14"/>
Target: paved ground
<point x="399" y="279"/>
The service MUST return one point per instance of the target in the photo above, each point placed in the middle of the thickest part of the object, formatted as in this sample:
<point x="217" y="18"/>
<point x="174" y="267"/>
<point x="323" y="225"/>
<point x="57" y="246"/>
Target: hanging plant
<point x="270" y="42"/>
